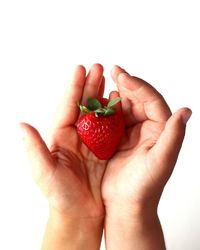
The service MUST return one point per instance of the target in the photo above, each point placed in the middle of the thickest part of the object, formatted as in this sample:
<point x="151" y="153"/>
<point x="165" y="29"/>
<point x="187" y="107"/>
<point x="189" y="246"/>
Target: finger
<point x="149" y="103"/>
<point x="132" y="83"/>
<point x="113" y="94"/>
<point x="93" y="82"/>
<point x="116" y="70"/>
<point x="68" y="110"/>
<point x="38" y="154"/>
<point x="101" y="88"/>
<point x="129" y="117"/>
<point x="166" y="149"/>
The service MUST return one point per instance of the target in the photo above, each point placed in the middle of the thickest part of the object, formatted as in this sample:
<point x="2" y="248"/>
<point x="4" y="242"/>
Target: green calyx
<point x="95" y="106"/>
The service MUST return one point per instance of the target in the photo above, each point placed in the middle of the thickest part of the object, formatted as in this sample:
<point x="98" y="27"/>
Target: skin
<point x="82" y="190"/>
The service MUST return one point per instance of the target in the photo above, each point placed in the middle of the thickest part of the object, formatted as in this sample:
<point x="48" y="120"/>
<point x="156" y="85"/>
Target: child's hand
<point x="136" y="175"/>
<point x="67" y="173"/>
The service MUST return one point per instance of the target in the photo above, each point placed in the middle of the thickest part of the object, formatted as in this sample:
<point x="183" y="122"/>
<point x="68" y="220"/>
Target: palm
<point x="76" y="172"/>
<point x="129" y="167"/>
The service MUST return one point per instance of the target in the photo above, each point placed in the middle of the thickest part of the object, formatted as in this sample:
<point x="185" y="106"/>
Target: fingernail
<point x="187" y="116"/>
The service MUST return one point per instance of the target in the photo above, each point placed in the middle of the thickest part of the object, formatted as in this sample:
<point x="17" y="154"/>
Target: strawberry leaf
<point x="84" y="109"/>
<point x="113" y="102"/>
<point x="93" y="104"/>
<point x="109" y="111"/>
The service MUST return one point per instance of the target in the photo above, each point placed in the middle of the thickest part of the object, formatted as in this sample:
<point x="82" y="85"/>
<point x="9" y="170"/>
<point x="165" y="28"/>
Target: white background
<point x="42" y="41"/>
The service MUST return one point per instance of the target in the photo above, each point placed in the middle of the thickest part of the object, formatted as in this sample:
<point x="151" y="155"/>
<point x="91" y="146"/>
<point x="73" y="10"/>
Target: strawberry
<point x="101" y="128"/>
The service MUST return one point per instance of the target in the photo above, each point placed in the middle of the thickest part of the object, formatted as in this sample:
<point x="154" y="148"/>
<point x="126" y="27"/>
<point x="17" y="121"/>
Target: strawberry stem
<point x="95" y="106"/>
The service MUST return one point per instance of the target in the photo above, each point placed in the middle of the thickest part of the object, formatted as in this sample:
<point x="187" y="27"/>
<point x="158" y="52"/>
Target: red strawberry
<point x="102" y="127"/>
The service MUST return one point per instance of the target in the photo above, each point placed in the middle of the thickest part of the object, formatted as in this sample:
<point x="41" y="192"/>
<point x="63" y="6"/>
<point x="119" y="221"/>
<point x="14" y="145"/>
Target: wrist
<point x="134" y="210"/>
<point x="136" y="226"/>
<point x="76" y="225"/>
<point x="68" y="232"/>
<point x="66" y="217"/>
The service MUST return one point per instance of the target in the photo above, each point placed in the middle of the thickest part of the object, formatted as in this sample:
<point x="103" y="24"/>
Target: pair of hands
<point x="78" y="184"/>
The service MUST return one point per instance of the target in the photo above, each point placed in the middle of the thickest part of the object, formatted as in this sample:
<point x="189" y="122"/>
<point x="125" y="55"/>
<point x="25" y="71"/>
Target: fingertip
<point x="21" y="125"/>
<point x="115" y="68"/>
<point x="96" y="69"/>
<point x="115" y="71"/>
<point x="177" y="121"/>
<point x="79" y="69"/>
<point x="23" y="128"/>
<point x="187" y="112"/>
<point x="98" y="66"/>
<point x="28" y="131"/>
<point x="113" y="94"/>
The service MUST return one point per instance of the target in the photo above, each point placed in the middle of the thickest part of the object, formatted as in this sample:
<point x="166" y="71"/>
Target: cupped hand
<point x="67" y="172"/>
<point x="145" y="160"/>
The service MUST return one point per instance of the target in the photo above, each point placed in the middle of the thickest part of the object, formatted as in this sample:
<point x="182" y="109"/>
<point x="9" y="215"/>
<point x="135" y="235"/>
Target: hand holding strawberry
<point x="135" y="177"/>
<point x="67" y="172"/>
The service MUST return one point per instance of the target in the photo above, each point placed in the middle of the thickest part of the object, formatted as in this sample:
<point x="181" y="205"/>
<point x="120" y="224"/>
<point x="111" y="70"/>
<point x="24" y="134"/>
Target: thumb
<point x="167" y="147"/>
<point x="38" y="154"/>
